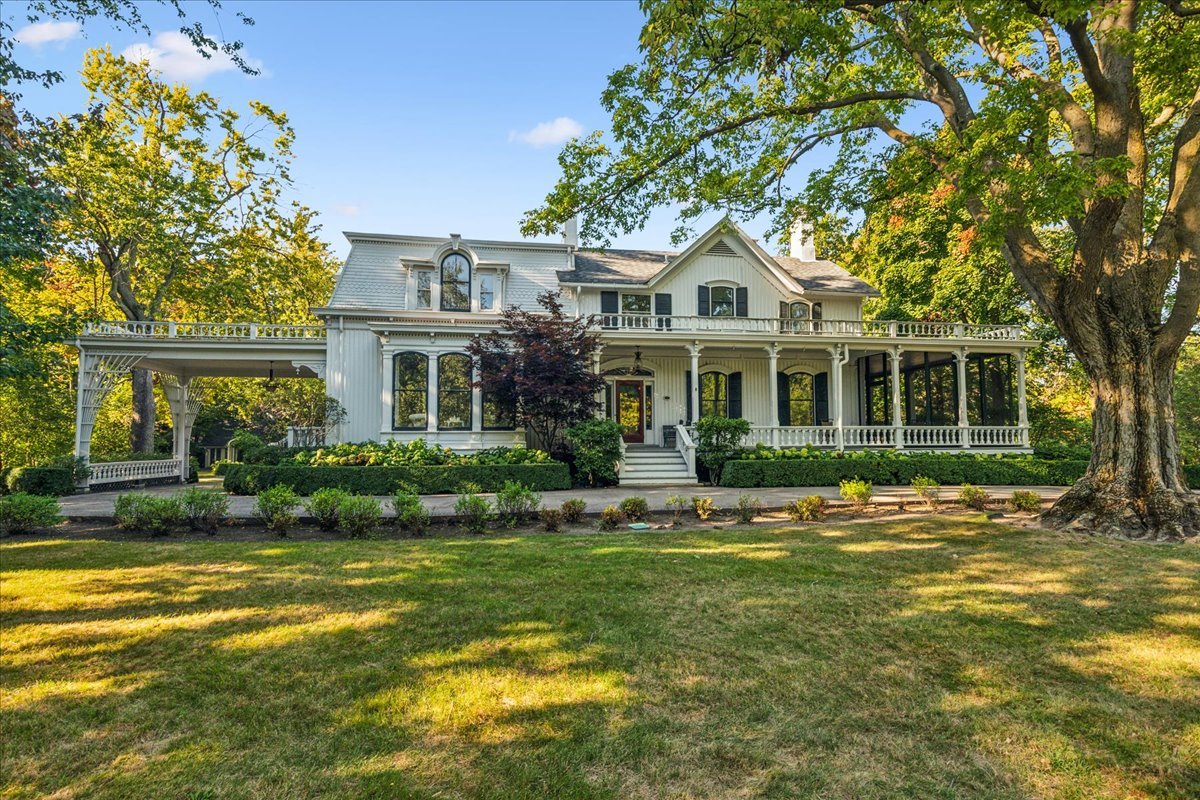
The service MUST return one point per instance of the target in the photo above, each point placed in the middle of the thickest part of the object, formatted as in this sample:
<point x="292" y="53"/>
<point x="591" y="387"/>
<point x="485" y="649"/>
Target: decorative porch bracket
<point x="184" y="399"/>
<point x="98" y="375"/>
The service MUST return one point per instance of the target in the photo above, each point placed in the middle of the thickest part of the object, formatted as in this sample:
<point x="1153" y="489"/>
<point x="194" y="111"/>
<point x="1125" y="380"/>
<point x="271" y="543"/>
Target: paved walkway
<point x="100" y="504"/>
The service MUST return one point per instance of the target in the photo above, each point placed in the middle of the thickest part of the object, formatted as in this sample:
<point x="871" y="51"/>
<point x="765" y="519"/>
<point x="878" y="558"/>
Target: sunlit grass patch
<point x="938" y="657"/>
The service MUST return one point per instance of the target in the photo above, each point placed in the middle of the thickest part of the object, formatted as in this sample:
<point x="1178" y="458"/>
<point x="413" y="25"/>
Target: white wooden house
<point x="722" y="327"/>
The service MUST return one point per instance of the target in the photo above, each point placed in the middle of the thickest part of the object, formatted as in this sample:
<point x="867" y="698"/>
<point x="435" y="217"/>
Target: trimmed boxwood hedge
<point x="946" y="470"/>
<point x="1192" y="473"/>
<point x="251" y="478"/>
<point x="49" y="481"/>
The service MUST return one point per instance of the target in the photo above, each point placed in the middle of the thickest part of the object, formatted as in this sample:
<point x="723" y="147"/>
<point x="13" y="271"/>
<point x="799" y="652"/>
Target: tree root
<point x="1109" y="510"/>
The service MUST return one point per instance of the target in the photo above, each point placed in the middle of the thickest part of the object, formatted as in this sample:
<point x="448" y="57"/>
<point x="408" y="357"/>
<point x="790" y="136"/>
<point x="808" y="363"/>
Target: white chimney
<point x="803" y="247"/>
<point x="571" y="232"/>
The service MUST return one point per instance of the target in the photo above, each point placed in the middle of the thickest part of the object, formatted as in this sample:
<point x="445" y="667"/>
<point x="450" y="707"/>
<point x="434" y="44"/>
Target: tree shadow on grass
<point x="926" y="659"/>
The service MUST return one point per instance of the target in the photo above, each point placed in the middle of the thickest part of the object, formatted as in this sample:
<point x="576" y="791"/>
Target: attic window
<point x="721" y="248"/>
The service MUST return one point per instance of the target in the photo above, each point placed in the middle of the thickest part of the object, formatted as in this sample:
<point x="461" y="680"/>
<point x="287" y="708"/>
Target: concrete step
<point x="680" y="481"/>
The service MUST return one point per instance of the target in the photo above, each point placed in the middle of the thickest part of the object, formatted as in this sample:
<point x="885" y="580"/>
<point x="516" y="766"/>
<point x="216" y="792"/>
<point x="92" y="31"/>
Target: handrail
<point x="874" y="328"/>
<point x="238" y="331"/>
<point x="686" y="447"/>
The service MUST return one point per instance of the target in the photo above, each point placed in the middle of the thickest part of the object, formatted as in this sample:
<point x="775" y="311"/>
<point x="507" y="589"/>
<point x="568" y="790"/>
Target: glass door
<point x="631" y="411"/>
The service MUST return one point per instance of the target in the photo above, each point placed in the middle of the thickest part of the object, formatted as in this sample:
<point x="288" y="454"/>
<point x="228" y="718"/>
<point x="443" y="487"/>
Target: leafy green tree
<point x="1069" y="131"/>
<point x="162" y="181"/>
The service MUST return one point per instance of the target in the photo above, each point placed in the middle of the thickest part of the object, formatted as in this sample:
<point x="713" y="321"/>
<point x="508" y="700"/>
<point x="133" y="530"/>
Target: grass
<point x="946" y="657"/>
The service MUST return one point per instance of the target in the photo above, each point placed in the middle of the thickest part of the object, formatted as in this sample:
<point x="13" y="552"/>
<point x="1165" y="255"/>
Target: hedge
<point x="1192" y="474"/>
<point x="946" y="470"/>
<point x="51" y="481"/>
<point x="251" y="478"/>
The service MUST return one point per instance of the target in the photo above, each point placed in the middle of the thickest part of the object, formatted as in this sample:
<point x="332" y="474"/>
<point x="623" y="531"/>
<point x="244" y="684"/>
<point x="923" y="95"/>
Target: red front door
<point x="631" y="411"/>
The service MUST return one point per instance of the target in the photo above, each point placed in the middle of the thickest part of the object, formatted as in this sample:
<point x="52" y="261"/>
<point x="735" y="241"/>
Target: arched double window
<point x="456" y="283"/>
<point x="454" y="392"/>
<point x="410" y="392"/>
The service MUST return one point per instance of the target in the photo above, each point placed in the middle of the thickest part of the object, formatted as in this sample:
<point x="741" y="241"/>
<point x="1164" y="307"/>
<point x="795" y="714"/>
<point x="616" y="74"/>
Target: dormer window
<point x="456" y="283"/>
<point x="722" y="301"/>
<point x="424" y="288"/>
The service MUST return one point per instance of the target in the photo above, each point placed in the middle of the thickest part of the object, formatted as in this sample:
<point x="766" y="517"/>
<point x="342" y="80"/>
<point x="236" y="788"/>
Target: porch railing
<point x="686" y="445"/>
<point x="894" y="329"/>
<point x="856" y="437"/>
<point x="220" y="331"/>
<point x="121" y="471"/>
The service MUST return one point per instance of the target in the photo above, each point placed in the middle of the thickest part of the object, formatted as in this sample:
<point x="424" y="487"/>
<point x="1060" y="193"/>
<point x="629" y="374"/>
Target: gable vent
<point x="721" y="248"/>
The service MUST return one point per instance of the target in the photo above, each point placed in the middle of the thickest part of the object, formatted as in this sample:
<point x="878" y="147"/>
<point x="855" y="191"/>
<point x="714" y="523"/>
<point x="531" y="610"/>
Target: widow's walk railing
<point x="213" y="331"/>
<point x="881" y="329"/>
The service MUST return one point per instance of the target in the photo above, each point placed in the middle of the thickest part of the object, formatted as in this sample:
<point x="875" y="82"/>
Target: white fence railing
<point x="932" y="436"/>
<point x="894" y="329"/>
<point x="305" y="437"/>
<point x="220" y="331"/>
<point x="869" y="436"/>
<point x="121" y="471"/>
<point x="858" y="437"/>
<point x="686" y="445"/>
<point x="998" y="435"/>
<point x="793" y="436"/>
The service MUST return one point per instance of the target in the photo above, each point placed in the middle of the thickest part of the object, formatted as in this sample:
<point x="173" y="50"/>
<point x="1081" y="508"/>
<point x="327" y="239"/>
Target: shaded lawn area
<point x="942" y="657"/>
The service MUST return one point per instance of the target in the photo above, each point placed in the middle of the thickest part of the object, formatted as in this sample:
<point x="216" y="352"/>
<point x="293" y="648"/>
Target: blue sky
<point x="410" y="117"/>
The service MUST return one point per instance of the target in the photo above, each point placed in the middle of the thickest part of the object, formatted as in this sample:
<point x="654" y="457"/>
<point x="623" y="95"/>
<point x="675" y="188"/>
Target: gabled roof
<point x="642" y="267"/>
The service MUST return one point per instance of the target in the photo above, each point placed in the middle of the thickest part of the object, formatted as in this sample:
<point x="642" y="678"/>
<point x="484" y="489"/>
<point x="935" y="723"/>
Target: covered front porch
<point x="835" y="395"/>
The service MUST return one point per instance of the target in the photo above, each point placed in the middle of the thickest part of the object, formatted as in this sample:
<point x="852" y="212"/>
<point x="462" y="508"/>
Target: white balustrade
<point x="869" y="436"/>
<point x="941" y="436"/>
<point x="202" y="330"/>
<point x="996" y="436"/>
<point x="305" y="437"/>
<point x="902" y="329"/>
<point x="121" y="471"/>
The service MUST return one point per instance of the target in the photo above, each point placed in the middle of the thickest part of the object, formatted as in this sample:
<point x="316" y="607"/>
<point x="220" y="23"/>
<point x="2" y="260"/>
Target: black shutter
<point x="662" y="308"/>
<point x="735" y="395"/>
<point x="816" y="311"/>
<point x="821" y="396"/>
<point x="741" y="302"/>
<point x="687" y="393"/>
<point x="783" y="398"/>
<point x="784" y="310"/>
<point x="702" y="301"/>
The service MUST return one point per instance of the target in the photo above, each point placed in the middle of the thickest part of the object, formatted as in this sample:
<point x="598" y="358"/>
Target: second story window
<point x="722" y="301"/>
<point x="424" y="287"/>
<point x="487" y="292"/>
<point x="456" y="283"/>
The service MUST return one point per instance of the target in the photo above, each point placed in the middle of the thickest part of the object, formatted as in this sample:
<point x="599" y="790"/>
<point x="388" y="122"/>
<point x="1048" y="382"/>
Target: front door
<point x="631" y="402"/>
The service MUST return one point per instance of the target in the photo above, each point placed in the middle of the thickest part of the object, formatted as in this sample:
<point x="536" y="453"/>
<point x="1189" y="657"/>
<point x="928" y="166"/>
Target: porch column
<point x="1022" y="402"/>
<point x="964" y="431"/>
<point x="694" y="351"/>
<point x="601" y="391"/>
<point x="835" y="389"/>
<point x="773" y="382"/>
<point x="897" y="406"/>
<point x="431" y="395"/>
<point x="97" y="377"/>
<point x="184" y="405"/>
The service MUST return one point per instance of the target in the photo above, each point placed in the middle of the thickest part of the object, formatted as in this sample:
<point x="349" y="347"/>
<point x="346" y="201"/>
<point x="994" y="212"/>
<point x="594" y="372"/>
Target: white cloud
<point x="556" y="131"/>
<point x="40" y="33"/>
<point x="349" y="209"/>
<point x="174" y="55"/>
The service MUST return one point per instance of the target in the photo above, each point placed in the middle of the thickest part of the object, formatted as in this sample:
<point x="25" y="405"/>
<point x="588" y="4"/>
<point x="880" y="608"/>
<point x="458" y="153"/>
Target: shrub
<point x="610" y="518"/>
<point x="858" y="492"/>
<point x="677" y="504"/>
<point x="573" y="509"/>
<point x="323" y="507"/>
<point x="48" y="481"/>
<point x="148" y="513"/>
<point x="597" y="445"/>
<point x="445" y="479"/>
<point x="1022" y="500"/>
<point x="719" y="439"/>
<point x="516" y="503"/>
<point x="805" y="509"/>
<point x="222" y="466"/>
<point x="359" y="516"/>
<point x="635" y="508"/>
<point x="276" y="508"/>
<point x="414" y="453"/>
<point x="25" y="513"/>
<point x="928" y="490"/>
<point x="411" y="514"/>
<point x="204" y="511"/>
<point x="551" y="519"/>
<point x="703" y="507"/>
<point x="474" y="512"/>
<point x="748" y="507"/>
<point x="973" y="497"/>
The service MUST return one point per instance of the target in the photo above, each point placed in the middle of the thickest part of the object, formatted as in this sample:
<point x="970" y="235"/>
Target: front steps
<point x="650" y="466"/>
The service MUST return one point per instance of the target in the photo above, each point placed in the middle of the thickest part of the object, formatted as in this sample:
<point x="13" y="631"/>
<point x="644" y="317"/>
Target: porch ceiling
<point x="232" y="359"/>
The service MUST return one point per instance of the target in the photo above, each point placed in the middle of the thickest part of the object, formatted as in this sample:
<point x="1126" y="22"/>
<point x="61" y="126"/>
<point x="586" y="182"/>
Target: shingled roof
<point x="639" y="266"/>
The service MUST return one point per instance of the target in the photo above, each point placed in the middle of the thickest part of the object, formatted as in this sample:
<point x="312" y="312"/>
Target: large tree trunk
<point x="1134" y="486"/>
<point x="141" y="433"/>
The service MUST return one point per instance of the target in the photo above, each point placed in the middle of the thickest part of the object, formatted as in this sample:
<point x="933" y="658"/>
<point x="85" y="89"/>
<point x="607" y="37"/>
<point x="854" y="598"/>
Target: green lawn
<point x="946" y="657"/>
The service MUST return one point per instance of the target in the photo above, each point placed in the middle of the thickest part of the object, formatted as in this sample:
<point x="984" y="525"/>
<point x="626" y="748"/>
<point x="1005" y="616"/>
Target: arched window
<point x="714" y="394"/>
<point x="798" y="310"/>
<point x="410" y="392"/>
<point x="454" y="392"/>
<point x="801" y="399"/>
<point x="456" y="283"/>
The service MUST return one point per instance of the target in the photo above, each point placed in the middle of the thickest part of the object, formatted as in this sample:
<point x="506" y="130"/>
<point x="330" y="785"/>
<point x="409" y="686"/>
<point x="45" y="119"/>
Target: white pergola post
<point x="964" y="431"/>
<point x="1022" y="400"/>
<point x="773" y="382"/>
<point x="897" y="405"/>
<point x="98" y="374"/>
<point x="694" y="351"/>
<point x="185" y="405"/>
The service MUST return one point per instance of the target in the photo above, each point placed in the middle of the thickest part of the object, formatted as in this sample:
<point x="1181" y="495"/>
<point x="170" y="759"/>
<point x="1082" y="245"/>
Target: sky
<point x="410" y="118"/>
